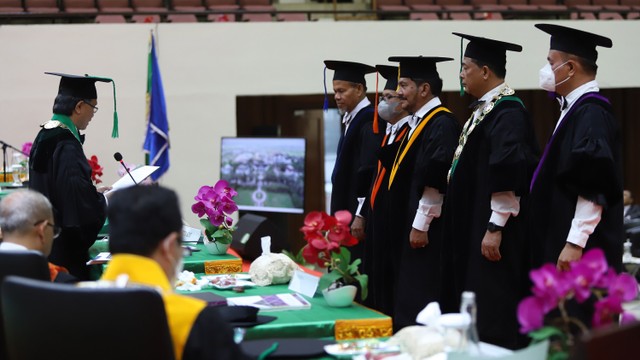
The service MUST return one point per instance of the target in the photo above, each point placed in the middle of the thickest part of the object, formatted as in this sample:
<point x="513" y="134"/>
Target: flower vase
<point x="215" y="247"/>
<point x="340" y="297"/>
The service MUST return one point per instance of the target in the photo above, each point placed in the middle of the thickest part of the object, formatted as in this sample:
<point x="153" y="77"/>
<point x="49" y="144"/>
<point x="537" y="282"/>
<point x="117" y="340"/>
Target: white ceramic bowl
<point x="340" y="297"/>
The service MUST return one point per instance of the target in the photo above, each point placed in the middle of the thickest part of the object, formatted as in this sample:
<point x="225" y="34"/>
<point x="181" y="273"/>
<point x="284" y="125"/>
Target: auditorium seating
<point x="11" y="6"/>
<point x="263" y="10"/>
<point x="114" y="6"/>
<point x="110" y="19"/>
<point x="41" y="6"/>
<point x="222" y="5"/>
<point x="79" y="6"/>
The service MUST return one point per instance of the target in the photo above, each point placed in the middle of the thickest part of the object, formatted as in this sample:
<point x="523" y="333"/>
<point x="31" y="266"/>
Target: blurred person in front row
<point x="631" y="210"/>
<point x="26" y="220"/>
<point x="145" y="239"/>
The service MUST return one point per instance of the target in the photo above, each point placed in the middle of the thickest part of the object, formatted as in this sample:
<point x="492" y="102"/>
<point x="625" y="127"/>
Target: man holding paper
<point x="58" y="168"/>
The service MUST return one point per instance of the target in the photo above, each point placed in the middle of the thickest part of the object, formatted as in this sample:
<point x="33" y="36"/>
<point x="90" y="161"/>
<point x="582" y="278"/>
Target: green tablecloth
<point x="320" y="321"/>
<point x="198" y="262"/>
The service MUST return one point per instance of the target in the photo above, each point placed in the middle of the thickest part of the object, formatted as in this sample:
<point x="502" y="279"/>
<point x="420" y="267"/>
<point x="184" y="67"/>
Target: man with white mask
<point x="379" y="223"/>
<point x="576" y="190"/>
<point x="145" y="238"/>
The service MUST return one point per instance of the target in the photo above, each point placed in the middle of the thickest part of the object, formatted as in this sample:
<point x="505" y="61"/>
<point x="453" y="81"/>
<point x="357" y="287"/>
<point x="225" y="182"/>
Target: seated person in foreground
<point x="145" y="240"/>
<point x="26" y="220"/>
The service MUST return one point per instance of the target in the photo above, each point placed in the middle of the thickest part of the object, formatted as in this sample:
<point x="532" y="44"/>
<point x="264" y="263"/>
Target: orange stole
<point x="403" y="151"/>
<point x="381" y="170"/>
<point x="55" y="269"/>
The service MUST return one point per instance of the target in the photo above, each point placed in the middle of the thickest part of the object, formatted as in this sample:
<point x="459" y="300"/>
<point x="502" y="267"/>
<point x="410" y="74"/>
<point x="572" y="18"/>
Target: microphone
<point x="118" y="158"/>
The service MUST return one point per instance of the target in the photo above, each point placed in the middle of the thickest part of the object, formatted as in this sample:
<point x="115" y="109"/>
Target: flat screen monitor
<point x="267" y="173"/>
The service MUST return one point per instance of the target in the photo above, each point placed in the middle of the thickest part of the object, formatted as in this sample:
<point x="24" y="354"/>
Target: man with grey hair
<point x="26" y="220"/>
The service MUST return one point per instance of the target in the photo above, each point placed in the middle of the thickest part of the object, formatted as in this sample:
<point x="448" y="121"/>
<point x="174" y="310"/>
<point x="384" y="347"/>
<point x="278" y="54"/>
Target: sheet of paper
<point x="139" y="174"/>
<point x="303" y="283"/>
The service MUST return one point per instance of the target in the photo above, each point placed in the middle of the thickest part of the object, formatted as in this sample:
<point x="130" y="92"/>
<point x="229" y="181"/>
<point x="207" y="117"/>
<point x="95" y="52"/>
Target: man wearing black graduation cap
<point x="576" y="190"/>
<point x="381" y="221"/>
<point x="58" y="168"/>
<point x="359" y="141"/>
<point x="416" y="184"/>
<point x="486" y="249"/>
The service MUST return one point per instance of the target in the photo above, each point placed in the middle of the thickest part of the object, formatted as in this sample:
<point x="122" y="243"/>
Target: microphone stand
<point x="4" y="156"/>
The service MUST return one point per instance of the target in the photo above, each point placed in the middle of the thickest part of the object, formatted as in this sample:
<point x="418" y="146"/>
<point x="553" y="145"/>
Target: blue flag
<point x="156" y="142"/>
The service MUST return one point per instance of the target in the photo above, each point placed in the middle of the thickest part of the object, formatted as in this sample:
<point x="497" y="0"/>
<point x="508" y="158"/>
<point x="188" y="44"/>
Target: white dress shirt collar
<point x="487" y="97"/>
<point x="415" y="119"/>
<point x="392" y="130"/>
<point x="9" y="246"/>
<point x="348" y="117"/>
<point x="591" y="86"/>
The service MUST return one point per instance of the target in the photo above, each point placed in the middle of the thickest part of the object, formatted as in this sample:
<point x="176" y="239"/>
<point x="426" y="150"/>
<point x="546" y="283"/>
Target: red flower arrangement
<point x="327" y="238"/>
<point x="96" y="170"/>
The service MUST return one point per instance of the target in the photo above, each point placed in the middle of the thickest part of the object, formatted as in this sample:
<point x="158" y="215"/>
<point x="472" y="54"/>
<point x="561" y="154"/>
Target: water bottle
<point x="468" y="306"/>
<point x="627" y="256"/>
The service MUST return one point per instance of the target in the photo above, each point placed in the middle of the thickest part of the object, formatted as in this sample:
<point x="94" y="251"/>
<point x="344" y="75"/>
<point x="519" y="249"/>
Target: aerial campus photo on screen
<point x="267" y="173"/>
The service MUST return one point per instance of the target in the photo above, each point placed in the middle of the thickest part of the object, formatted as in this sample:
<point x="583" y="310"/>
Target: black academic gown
<point x="500" y="155"/>
<point x="381" y="257"/>
<point x="355" y="166"/>
<point x="427" y="160"/>
<point x="58" y="168"/>
<point x="583" y="159"/>
<point x="211" y="338"/>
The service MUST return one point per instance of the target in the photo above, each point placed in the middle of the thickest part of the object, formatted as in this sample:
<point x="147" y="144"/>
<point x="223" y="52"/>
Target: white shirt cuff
<point x="585" y="220"/>
<point x="360" y="204"/>
<point x="503" y="205"/>
<point x="429" y="207"/>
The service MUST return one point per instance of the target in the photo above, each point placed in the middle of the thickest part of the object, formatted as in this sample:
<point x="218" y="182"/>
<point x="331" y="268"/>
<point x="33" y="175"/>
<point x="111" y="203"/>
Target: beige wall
<point x="205" y="66"/>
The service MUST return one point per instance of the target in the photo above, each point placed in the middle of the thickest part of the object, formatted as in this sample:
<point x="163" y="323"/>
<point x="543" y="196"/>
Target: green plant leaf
<point x="328" y="279"/>
<point x="560" y="355"/>
<point x="208" y="226"/>
<point x="546" y="332"/>
<point x="364" y="284"/>
<point x="297" y="258"/>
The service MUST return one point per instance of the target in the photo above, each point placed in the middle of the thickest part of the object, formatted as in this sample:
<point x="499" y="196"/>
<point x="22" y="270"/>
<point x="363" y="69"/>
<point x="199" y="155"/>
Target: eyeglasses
<point x="95" y="108"/>
<point x="388" y="97"/>
<point x="56" y="229"/>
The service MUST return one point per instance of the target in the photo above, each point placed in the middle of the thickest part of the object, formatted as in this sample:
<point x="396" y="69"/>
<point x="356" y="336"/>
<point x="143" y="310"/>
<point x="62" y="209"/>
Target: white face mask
<point x="548" y="77"/>
<point x="179" y="267"/>
<point x="388" y="111"/>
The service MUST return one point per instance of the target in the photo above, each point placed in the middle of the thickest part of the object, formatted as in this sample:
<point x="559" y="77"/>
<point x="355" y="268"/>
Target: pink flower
<point x="580" y="277"/>
<point x="217" y="203"/>
<point x="624" y="286"/>
<point x="531" y="314"/>
<point x="596" y="262"/>
<point x="26" y="147"/>
<point x="549" y="285"/>
<point x="605" y="311"/>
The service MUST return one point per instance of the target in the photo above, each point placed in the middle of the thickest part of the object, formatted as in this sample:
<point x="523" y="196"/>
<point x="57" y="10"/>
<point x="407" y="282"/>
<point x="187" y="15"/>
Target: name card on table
<point x="303" y="283"/>
<point x="190" y="235"/>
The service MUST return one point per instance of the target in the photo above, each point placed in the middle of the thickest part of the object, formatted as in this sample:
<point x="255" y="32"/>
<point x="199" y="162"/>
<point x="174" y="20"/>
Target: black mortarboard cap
<point x="349" y="71"/>
<point x="419" y="67"/>
<point x="84" y="87"/>
<point x="574" y="41"/>
<point x="391" y="74"/>
<point x="490" y="51"/>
